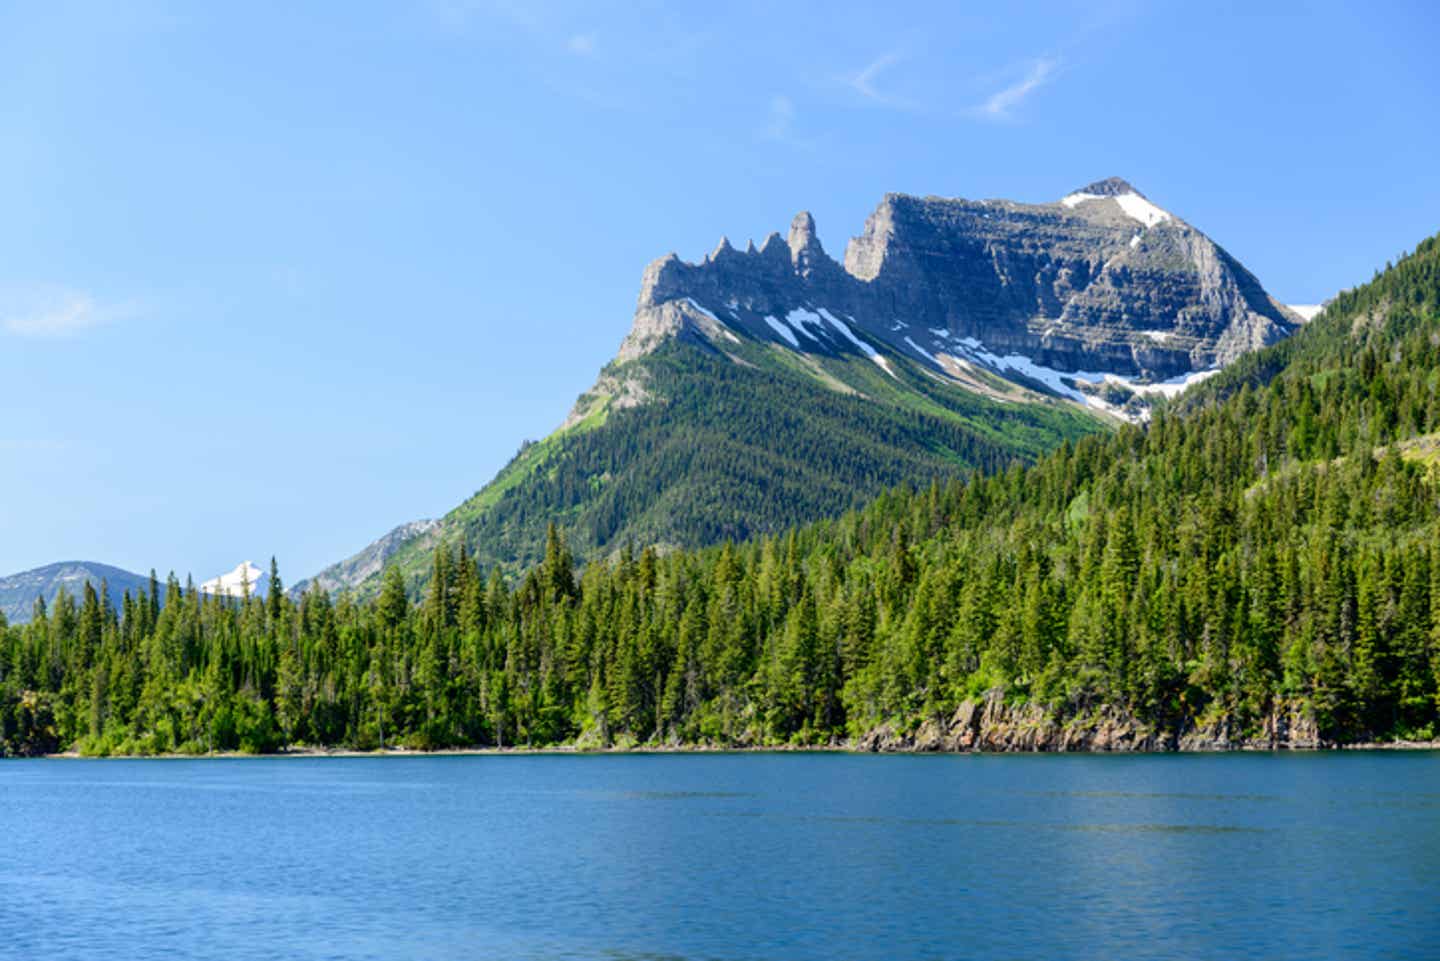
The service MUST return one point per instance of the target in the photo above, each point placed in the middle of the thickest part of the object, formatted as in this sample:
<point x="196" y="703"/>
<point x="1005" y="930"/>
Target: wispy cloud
<point x="581" y="44"/>
<point x="781" y="124"/>
<point x="864" y="83"/>
<point x="54" y="313"/>
<point x="1002" y="104"/>
<point x="782" y="118"/>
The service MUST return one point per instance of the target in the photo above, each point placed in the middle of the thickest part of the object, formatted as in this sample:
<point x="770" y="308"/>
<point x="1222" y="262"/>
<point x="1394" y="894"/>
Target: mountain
<point x="245" y="578"/>
<point x="367" y="563"/>
<point x="1257" y="566"/>
<point x="19" y="591"/>
<point x="765" y="388"/>
<point x="1103" y="280"/>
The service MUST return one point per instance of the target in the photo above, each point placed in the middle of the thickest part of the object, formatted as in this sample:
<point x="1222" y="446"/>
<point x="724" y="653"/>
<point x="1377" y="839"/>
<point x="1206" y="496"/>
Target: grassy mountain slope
<point x="728" y="444"/>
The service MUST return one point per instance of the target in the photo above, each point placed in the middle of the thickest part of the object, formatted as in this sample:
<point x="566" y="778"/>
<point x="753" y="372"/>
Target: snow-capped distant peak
<point x="1307" y="312"/>
<point x="233" y="583"/>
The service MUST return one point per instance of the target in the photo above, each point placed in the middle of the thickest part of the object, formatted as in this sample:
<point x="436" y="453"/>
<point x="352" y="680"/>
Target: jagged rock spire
<point x="774" y="246"/>
<point x="805" y="249"/>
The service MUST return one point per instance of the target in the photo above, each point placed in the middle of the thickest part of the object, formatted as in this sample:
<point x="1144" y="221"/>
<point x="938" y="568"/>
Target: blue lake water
<point x="783" y="856"/>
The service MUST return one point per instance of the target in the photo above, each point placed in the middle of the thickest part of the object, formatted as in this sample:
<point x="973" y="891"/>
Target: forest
<point x="1271" y="538"/>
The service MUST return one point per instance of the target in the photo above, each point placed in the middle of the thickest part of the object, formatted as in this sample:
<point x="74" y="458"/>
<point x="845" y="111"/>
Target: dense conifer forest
<point x="1274" y="538"/>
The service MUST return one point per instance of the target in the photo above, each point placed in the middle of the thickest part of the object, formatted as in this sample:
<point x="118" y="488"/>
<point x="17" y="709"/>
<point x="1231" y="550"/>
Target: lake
<point x="715" y="856"/>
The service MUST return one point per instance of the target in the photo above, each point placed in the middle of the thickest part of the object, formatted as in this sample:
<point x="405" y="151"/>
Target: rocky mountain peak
<point x="1104" y="280"/>
<point x="806" y="254"/>
<point x="802" y="234"/>
<point x="774" y="248"/>
<point x="1109" y="187"/>
<point x="660" y="280"/>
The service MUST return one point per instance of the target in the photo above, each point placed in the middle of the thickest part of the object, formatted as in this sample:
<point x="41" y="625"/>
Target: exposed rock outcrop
<point x="992" y="724"/>
<point x="1103" y="280"/>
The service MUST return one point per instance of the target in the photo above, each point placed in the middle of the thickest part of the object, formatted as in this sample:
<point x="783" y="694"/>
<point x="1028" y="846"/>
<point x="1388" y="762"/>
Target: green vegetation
<point x="734" y="445"/>
<point x="1247" y="550"/>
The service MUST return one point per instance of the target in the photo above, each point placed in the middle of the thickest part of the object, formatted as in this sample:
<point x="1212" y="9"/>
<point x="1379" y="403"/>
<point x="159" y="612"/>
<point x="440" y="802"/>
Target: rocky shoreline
<point x="992" y="725"/>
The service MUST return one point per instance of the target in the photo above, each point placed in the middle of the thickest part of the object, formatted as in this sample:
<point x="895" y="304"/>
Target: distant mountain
<point x="245" y="579"/>
<point x="773" y="386"/>
<point x="368" y="562"/>
<point x="19" y="591"/>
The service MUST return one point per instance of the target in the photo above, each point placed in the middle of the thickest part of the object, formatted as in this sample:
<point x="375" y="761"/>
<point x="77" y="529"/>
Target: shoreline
<point x="572" y="750"/>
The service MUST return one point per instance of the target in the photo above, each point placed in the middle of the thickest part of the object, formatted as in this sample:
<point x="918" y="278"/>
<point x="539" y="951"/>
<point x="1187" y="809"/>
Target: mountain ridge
<point x="18" y="592"/>
<point x="1100" y="300"/>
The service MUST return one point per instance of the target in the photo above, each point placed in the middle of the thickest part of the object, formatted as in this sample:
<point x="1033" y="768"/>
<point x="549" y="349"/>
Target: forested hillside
<point x="1271" y="551"/>
<point x="730" y="444"/>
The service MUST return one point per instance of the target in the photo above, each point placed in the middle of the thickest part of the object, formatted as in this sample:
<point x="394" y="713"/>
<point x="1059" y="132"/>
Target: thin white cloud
<point x="54" y="313"/>
<point x="1002" y="103"/>
<point x="864" y="83"/>
<point x="581" y="44"/>
<point x="782" y="118"/>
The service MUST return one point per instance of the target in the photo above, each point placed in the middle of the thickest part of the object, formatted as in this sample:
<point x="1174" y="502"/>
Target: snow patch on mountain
<point x="783" y="331"/>
<point x="1135" y="207"/>
<point x="704" y="310"/>
<point x="800" y="318"/>
<point x="840" y="325"/>
<point x="1307" y="312"/>
<point x="1079" y="197"/>
<point x="1082" y="386"/>
<point x="922" y="351"/>
<point x="1138" y="208"/>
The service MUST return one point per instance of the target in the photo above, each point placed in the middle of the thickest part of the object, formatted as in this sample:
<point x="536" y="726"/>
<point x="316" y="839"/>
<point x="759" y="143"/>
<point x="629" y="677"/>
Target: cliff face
<point x="992" y="724"/>
<point x="1102" y="280"/>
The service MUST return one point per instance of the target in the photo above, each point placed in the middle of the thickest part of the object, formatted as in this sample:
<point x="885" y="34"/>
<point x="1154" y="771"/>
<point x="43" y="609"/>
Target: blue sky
<point x="277" y="277"/>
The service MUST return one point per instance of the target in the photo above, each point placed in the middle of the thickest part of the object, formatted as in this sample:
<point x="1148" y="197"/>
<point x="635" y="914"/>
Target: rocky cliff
<point x="994" y="724"/>
<point x="1100" y="282"/>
